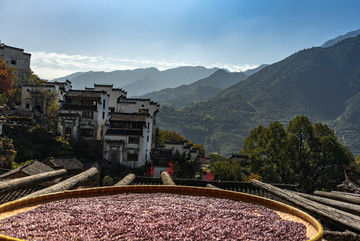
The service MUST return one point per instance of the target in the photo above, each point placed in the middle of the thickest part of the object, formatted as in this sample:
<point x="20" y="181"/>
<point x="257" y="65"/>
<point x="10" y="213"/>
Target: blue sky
<point x="66" y="36"/>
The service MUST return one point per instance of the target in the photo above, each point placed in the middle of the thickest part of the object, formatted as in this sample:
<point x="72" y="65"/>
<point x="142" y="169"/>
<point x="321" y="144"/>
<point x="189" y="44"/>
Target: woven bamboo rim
<point x="185" y="190"/>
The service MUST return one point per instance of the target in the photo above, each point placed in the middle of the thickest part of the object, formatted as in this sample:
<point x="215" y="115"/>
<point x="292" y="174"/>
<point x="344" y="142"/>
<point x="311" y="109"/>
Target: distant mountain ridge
<point x="321" y="83"/>
<point x="340" y="38"/>
<point x="140" y="81"/>
<point x="199" y="90"/>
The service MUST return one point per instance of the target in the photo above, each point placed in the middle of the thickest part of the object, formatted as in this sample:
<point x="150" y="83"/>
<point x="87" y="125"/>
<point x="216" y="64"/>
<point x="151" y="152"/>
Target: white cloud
<point x="54" y="65"/>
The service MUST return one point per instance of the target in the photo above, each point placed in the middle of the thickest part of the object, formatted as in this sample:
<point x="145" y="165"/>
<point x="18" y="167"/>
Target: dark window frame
<point x="134" y="140"/>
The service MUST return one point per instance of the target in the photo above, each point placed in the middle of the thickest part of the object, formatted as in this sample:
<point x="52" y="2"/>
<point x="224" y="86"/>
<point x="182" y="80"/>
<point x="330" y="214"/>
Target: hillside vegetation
<point x="321" y="83"/>
<point x="199" y="90"/>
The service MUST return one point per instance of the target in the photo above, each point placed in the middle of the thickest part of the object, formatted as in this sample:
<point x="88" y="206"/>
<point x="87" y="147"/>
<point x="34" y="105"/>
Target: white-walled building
<point x="124" y="126"/>
<point x="114" y="93"/>
<point x="32" y="94"/>
<point x="161" y="157"/>
<point x="182" y="147"/>
<point x="84" y="114"/>
<point x="17" y="59"/>
<point x="128" y="139"/>
<point x="132" y="122"/>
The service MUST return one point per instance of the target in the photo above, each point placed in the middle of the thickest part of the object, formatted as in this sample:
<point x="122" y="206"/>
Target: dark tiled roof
<point x="78" y="107"/>
<point x="67" y="163"/>
<point x="108" y="86"/>
<point x="139" y="99"/>
<point x="11" y="196"/>
<point x="175" y="142"/>
<point x="69" y="114"/>
<point x="37" y="167"/>
<point x="239" y="156"/>
<point x="103" y="85"/>
<point x="162" y="154"/>
<point x="125" y="132"/>
<point x="3" y="170"/>
<point x="115" y="141"/>
<point x="29" y="169"/>
<point x="7" y="46"/>
<point x="85" y="94"/>
<point x="128" y="117"/>
<point x="46" y="84"/>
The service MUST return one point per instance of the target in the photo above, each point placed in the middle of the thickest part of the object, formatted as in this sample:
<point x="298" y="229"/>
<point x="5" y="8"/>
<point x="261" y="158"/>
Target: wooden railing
<point x="245" y="187"/>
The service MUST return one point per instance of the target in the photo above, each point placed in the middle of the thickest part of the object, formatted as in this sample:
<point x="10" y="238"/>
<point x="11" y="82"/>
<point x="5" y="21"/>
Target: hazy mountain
<point x="340" y="38"/>
<point x="253" y="71"/>
<point x="140" y="81"/>
<point x="321" y="83"/>
<point x="199" y="90"/>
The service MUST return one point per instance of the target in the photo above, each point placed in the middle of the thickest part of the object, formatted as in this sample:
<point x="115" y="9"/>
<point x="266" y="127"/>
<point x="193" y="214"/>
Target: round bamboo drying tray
<point x="314" y="228"/>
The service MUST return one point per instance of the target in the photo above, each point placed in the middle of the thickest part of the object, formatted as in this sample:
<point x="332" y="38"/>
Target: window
<point x="87" y="114"/>
<point x="87" y="132"/>
<point x="114" y="157"/>
<point x="134" y="140"/>
<point x="147" y="138"/>
<point x="68" y="132"/>
<point x="103" y="115"/>
<point x="133" y="157"/>
<point x="13" y="62"/>
<point x="104" y="105"/>
<point x="144" y="111"/>
<point x="126" y="124"/>
<point x="27" y="106"/>
<point x="111" y="109"/>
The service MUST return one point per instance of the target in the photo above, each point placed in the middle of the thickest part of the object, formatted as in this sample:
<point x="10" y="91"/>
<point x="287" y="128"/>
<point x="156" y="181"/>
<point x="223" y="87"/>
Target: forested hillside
<point x="199" y="90"/>
<point x="321" y="83"/>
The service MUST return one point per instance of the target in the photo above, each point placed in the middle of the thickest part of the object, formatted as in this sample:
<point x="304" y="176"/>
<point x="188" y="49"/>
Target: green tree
<point x="222" y="170"/>
<point x="108" y="181"/>
<point x="304" y="154"/>
<point x="216" y="157"/>
<point x="37" y="95"/>
<point x="184" y="167"/>
<point x="37" y="143"/>
<point x="46" y="98"/>
<point x="51" y="110"/>
<point x="356" y="165"/>
<point x="227" y="171"/>
<point x="7" y="80"/>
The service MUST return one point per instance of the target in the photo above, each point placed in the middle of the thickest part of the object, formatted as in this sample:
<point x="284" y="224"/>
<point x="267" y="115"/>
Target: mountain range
<point x="218" y="108"/>
<point x="199" y="90"/>
<point x="341" y="37"/>
<point x="140" y="81"/>
<point x="321" y="83"/>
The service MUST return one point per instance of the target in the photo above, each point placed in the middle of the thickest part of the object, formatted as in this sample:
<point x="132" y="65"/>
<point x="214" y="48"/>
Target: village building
<point x="83" y="116"/>
<point x="129" y="135"/>
<point x="72" y="165"/>
<point x="128" y="139"/>
<point x="120" y="129"/>
<point x="114" y="93"/>
<point x="182" y="147"/>
<point x="32" y="168"/>
<point x="162" y="156"/>
<point x="242" y="159"/>
<point x="33" y="96"/>
<point x="17" y="60"/>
